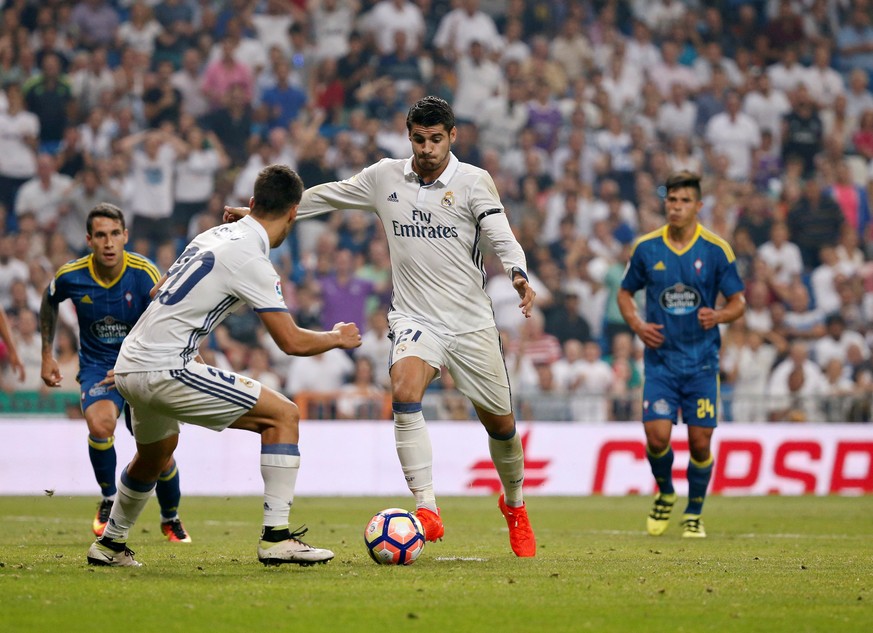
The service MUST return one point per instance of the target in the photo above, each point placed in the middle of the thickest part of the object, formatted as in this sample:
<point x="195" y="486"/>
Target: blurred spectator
<point x="323" y="373"/>
<point x="153" y="155"/>
<point x="787" y="74"/>
<point x="140" y="30"/>
<point x="460" y="26"/>
<point x="825" y="279"/>
<point x="795" y="387"/>
<point x="233" y="124"/>
<point x="284" y="101"/>
<point x="767" y="106"/>
<point x="258" y="368"/>
<point x="836" y="343"/>
<point x="591" y="386"/>
<point x="344" y="295"/>
<point x="195" y="176"/>
<point x="19" y="133"/>
<point x="187" y="81"/>
<point x="802" y="132"/>
<point x="565" y="322"/>
<point x="225" y="73"/>
<point x="44" y="194"/>
<point x="29" y="346"/>
<point x="49" y="96"/>
<point x="479" y="79"/>
<point x="852" y="199"/>
<point x="94" y="23"/>
<point x="86" y="192"/>
<point x="376" y="346"/>
<point x="361" y="398"/>
<point x="676" y="117"/>
<point x="862" y="138"/>
<point x="387" y="17"/>
<point x="855" y="40"/>
<point x="747" y="364"/>
<point x="332" y="22"/>
<point x="90" y="82"/>
<point x="823" y="82"/>
<point x="734" y="135"/>
<point x="858" y="97"/>
<point x="803" y="320"/>
<point x="669" y="71"/>
<point x="814" y="221"/>
<point x="162" y="101"/>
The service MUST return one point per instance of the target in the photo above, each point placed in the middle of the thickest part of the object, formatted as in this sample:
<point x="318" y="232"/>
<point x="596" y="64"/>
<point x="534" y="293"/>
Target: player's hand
<point x="651" y="335"/>
<point x="51" y="373"/>
<point x="350" y="336"/>
<point x="526" y="293"/>
<point x="17" y="365"/>
<point x="232" y="214"/>
<point x="707" y="317"/>
<point x="109" y="381"/>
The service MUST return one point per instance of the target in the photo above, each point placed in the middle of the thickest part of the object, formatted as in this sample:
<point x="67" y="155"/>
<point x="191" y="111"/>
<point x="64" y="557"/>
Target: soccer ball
<point x="394" y="537"/>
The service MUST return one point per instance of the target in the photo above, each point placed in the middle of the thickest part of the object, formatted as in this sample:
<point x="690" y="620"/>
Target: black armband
<point x="516" y="270"/>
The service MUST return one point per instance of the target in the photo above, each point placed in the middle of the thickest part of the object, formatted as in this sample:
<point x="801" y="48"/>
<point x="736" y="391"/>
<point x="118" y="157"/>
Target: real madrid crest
<point x="448" y="199"/>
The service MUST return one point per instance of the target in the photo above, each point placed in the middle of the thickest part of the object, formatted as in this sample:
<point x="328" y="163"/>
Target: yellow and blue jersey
<point x="106" y="311"/>
<point x="678" y="283"/>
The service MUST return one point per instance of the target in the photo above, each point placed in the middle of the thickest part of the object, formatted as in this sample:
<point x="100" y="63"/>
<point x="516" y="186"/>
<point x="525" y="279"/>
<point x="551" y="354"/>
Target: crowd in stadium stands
<point x="578" y="109"/>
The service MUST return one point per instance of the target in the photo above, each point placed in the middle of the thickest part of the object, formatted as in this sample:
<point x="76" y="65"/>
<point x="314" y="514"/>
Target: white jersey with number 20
<point x="220" y="270"/>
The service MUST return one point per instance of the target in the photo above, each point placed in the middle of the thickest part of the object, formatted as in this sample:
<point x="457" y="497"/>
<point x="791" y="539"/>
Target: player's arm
<point x="6" y="335"/>
<point x="297" y="341"/>
<point x="353" y="193"/>
<point x="649" y="333"/>
<point x="161" y="281"/>
<point x="732" y="310"/>
<point x="50" y="372"/>
<point x="496" y="228"/>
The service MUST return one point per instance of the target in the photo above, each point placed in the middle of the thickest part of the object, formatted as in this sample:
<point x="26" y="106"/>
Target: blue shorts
<point x="92" y="392"/>
<point x="666" y="394"/>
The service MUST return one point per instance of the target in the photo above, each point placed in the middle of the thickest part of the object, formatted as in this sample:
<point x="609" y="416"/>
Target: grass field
<point x="770" y="564"/>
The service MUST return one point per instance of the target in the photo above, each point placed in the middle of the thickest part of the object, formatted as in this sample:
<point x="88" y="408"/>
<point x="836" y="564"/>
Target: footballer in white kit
<point x="165" y="383"/>
<point x="435" y="210"/>
<point x="439" y="289"/>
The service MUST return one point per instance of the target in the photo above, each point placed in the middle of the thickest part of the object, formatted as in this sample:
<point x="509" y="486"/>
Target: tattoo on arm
<point x="48" y="319"/>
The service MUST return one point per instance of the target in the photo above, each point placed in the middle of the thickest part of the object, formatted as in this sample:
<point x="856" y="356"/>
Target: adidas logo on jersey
<point x="393" y="197"/>
<point x="86" y="299"/>
<point x="660" y="266"/>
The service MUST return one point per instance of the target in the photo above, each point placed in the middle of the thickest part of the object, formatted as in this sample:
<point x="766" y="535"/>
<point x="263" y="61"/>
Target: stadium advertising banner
<point x="358" y="458"/>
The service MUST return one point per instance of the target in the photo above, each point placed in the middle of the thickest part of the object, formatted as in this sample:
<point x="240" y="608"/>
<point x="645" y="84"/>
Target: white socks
<point x="416" y="455"/>
<point x="279" y="471"/>
<point x="508" y="458"/>
<point x="131" y="498"/>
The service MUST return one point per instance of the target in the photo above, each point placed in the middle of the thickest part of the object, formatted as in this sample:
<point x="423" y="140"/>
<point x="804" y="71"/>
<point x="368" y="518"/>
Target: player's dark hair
<point x="104" y="210"/>
<point x="277" y="189"/>
<point x="681" y="179"/>
<point x="429" y="112"/>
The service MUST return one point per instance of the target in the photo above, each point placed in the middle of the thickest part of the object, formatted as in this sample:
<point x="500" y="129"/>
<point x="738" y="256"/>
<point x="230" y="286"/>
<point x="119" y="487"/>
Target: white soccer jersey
<point x="220" y="270"/>
<point x="433" y="236"/>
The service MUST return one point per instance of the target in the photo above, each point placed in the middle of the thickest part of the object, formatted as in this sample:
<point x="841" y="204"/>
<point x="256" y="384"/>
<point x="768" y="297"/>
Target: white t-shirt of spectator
<point x="195" y="176"/>
<point x="324" y="372"/>
<point x="152" y="183"/>
<point x="385" y="19"/>
<point x="767" y="110"/>
<point x="17" y="158"/>
<point x="735" y="139"/>
<point x="43" y="202"/>
<point x="458" y="28"/>
<point x="827" y="348"/>
<point x="785" y="261"/>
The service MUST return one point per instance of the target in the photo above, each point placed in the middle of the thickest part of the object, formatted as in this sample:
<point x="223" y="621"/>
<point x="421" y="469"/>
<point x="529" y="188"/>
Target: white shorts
<point x="198" y="394"/>
<point x="475" y="360"/>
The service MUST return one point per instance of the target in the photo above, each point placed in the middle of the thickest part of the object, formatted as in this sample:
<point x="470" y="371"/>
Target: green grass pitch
<point x="770" y="564"/>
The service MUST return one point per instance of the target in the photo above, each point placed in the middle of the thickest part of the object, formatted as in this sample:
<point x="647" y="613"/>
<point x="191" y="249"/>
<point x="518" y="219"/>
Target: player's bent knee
<point x="101" y="427"/>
